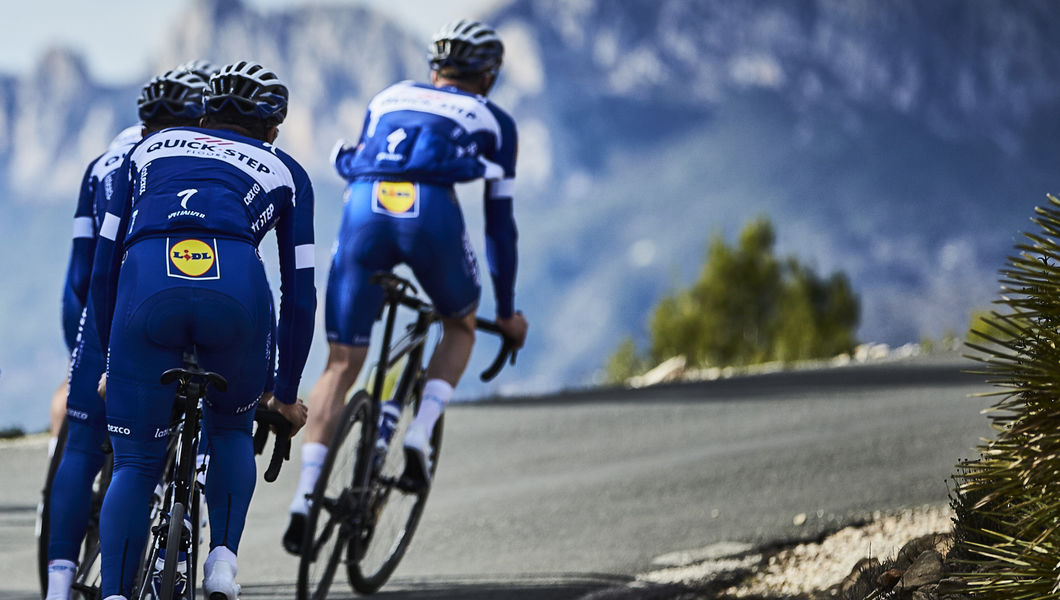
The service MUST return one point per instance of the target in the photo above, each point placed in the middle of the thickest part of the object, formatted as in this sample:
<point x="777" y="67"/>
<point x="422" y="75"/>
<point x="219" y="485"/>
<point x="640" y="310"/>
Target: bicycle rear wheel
<point x="392" y="512"/>
<point x="173" y="545"/>
<point x="333" y="504"/>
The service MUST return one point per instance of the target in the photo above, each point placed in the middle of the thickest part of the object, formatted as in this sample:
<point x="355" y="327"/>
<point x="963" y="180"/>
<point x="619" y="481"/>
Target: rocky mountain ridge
<point x="901" y="142"/>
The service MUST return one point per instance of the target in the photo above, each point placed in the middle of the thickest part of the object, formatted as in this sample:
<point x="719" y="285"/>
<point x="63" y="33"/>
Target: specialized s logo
<point x="192" y="259"/>
<point x="396" y="198"/>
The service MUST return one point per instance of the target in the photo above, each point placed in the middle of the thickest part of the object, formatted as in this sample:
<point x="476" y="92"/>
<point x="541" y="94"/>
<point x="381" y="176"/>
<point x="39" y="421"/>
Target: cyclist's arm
<point x="107" y="262"/>
<point x="298" y="296"/>
<point x="501" y="234"/>
<point x="501" y="254"/>
<point x="79" y="267"/>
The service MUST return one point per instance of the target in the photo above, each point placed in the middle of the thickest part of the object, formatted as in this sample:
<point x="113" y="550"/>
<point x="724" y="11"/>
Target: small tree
<point x="747" y="306"/>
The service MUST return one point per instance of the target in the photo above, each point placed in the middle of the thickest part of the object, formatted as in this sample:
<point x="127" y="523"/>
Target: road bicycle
<point x="87" y="577"/>
<point x="365" y="508"/>
<point x="175" y="536"/>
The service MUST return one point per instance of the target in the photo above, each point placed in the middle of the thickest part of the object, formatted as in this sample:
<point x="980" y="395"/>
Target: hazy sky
<point x="91" y="27"/>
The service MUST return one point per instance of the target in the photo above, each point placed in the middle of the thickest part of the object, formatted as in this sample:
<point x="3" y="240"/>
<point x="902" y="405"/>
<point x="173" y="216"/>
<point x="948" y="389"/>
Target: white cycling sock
<point x="115" y="598"/>
<point x="436" y="395"/>
<point x="313" y="454"/>
<point x="219" y="553"/>
<point x="60" y="578"/>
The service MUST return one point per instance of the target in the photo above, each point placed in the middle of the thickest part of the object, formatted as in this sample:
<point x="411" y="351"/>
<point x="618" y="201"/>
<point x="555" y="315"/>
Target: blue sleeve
<point x="501" y="255"/>
<point x="298" y="295"/>
<point x="109" y="250"/>
<point x="79" y="267"/>
<point x="501" y="233"/>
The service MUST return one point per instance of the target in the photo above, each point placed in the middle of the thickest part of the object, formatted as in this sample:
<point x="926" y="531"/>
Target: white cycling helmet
<point x="469" y="47"/>
<point x="251" y="89"/>
<point x="172" y="95"/>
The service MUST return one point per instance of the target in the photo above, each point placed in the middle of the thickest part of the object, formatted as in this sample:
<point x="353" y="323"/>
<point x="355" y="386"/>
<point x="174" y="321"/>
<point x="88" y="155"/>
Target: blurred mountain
<point x="902" y="142"/>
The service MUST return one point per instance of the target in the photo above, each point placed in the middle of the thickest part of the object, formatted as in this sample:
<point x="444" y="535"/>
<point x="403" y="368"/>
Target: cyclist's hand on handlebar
<point x="514" y="328"/>
<point x="295" y="413"/>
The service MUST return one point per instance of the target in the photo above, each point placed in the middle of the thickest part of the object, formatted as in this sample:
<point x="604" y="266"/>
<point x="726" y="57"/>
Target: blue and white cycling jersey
<point x="96" y="187"/>
<point x="417" y="133"/>
<point x="202" y="182"/>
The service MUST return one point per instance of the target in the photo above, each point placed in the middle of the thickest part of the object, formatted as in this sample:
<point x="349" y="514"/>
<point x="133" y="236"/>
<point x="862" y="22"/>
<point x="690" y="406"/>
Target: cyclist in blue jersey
<point x="171" y="99"/>
<point x="418" y="140"/>
<point x="177" y="266"/>
<point x="79" y="267"/>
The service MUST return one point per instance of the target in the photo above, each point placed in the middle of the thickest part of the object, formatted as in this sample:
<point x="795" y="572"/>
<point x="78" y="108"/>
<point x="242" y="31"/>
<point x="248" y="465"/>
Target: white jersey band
<point x="84" y="228"/>
<point x="470" y="112"/>
<point x="267" y="169"/>
<point x="500" y="188"/>
<point x="304" y="256"/>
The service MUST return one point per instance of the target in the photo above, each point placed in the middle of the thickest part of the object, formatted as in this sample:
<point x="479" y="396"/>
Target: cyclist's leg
<point x="152" y="327"/>
<point x="231" y="329"/>
<point x="364" y="246"/>
<point x="56" y="413"/>
<point x="445" y="265"/>
<point x="136" y="412"/>
<point x="82" y="458"/>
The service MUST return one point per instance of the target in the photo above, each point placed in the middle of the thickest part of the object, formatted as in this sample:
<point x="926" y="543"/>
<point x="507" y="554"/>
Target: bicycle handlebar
<point x="507" y="351"/>
<point x="281" y="448"/>
<point x="397" y="290"/>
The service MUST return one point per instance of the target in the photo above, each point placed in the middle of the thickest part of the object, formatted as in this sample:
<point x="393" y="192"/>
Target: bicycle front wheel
<point x="333" y="506"/>
<point x="392" y="512"/>
<point x="44" y="510"/>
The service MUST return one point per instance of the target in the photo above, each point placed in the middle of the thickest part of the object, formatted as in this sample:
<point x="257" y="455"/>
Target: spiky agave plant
<point x="1009" y="529"/>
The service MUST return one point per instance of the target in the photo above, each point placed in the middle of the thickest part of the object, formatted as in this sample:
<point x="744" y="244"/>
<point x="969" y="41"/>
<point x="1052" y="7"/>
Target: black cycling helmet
<point x="172" y="95"/>
<point x="466" y="47"/>
<point x="249" y="88"/>
<point x="202" y="68"/>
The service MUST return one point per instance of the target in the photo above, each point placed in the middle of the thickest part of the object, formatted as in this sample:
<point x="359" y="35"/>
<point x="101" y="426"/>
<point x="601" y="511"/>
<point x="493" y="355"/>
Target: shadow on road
<point x="543" y="587"/>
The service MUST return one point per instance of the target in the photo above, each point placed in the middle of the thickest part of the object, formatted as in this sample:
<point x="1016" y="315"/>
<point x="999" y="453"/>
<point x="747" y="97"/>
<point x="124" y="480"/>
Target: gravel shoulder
<point x="798" y="570"/>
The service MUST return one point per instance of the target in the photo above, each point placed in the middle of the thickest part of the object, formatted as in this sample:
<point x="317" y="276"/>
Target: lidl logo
<point x="193" y="259"/>
<point x="397" y="197"/>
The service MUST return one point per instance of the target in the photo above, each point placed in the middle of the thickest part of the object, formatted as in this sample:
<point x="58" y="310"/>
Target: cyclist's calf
<point x="451" y="356"/>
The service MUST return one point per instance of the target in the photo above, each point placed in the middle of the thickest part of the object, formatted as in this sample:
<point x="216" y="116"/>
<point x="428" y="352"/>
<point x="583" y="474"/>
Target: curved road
<point x="570" y="495"/>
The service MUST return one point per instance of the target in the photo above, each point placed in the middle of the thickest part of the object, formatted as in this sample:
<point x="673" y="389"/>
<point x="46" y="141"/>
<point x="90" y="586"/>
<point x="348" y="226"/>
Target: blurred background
<point x="899" y="142"/>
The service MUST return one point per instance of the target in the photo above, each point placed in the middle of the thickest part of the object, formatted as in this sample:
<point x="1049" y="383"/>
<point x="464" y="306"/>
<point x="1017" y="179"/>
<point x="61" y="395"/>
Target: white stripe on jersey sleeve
<point x="500" y="188"/>
<point x="83" y="228"/>
<point x="304" y="256"/>
<point x="109" y="229"/>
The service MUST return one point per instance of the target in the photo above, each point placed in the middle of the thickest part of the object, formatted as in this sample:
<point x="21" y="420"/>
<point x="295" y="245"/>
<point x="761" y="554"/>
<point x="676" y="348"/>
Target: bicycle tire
<point x="169" y="568"/>
<point x="332" y="503"/>
<point x="383" y="542"/>
<point x="44" y="514"/>
<point x="147" y="561"/>
<point x="193" y="549"/>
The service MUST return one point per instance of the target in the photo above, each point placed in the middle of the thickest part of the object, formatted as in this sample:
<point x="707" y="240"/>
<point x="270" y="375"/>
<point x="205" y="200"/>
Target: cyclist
<point x="79" y="267"/>
<point x="177" y="266"/>
<point x="418" y="140"/>
<point x="173" y="98"/>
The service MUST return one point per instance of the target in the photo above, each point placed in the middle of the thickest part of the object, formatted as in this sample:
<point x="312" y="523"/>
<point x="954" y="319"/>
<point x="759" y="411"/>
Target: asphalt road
<point x="565" y="496"/>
